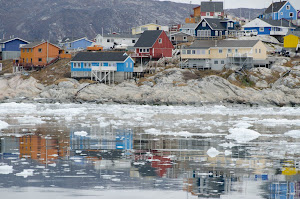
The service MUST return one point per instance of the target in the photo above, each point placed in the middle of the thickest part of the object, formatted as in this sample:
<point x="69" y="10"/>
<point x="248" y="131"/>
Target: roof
<point x="189" y="26"/>
<point x="281" y="22"/>
<point x="8" y="40"/>
<point x="67" y="40"/>
<point x="204" y="44"/>
<point x="179" y="34"/>
<point x="212" y="6"/>
<point x="148" y="38"/>
<point x="296" y="33"/>
<point x="121" y="35"/>
<point x="100" y="56"/>
<point x="216" y="24"/>
<point x="36" y="43"/>
<point x="275" y="7"/>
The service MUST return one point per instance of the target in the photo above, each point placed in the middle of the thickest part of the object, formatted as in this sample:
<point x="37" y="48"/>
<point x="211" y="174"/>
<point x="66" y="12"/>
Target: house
<point x="151" y="26"/>
<point x="189" y="28"/>
<point x="292" y="40"/>
<point x="76" y="45"/>
<point x="110" y="41"/>
<point x="269" y="26"/>
<point x="41" y="53"/>
<point x="220" y="54"/>
<point x="153" y="45"/>
<point x="212" y="9"/>
<point x="280" y="10"/>
<point x="102" y="66"/>
<point x="195" y="18"/>
<point x="10" y="48"/>
<point x="211" y="27"/>
<point x="180" y="38"/>
<point x="298" y="14"/>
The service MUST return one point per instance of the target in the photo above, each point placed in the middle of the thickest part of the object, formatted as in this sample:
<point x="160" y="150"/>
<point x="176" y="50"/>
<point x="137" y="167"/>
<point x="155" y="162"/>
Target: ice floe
<point x="3" y="125"/>
<point x="293" y="133"/>
<point x="6" y="169"/>
<point x="242" y="135"/>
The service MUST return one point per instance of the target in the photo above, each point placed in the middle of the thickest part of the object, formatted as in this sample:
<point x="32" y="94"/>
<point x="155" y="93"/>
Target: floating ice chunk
<point x="242" y="135"/>
<point x="212" y="152"/>
<point x="3" y="125"/>
<point x="153" y="131"/>
<point x="52" y="165"/>
<point x="243" y="125"/>
<point x="25" y="173"/>
<point x="227" y="145"/>
<point x="6" y="169"/>
<point x="293" y="133"/>
<point x="80" y="133"/>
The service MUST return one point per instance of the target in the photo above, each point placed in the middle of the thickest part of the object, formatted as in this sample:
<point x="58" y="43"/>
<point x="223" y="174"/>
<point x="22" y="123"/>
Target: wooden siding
<point x="291" y="41"/>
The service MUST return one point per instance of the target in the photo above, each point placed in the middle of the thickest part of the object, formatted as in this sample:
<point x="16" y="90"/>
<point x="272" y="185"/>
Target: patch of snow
<point x="6" y="169"/>
<point x="293" y="133"/>
<point x="243" y="125"/>
<point x="212" y="152"/>
<point x="3" y="125"/>
<point x="242" y="135"/>
<point x="81" y="133"/>
<point x="25" y="173"/>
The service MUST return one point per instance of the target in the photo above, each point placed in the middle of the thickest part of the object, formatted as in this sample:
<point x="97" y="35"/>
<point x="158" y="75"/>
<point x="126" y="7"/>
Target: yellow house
<point x="292" y="40"/>
<point x="217" y="55"/>
<point x="151" y="26"/>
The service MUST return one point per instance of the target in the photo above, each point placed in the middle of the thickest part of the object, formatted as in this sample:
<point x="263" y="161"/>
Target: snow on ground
<point x="293" y="133"/>
<point x="6" y="169"/>
<point x="3" y="125"/>
<point x="242" y="135"/>
<point x="25" y="173"/>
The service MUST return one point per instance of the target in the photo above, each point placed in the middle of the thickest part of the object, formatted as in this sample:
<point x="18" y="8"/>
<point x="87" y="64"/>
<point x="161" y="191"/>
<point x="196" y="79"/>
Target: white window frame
<point x="220" y="51"/>
<point x="203" y="24"/>
<point x="127" y="65"/>
<point x="131" y="65"/>
<point x="160" y="40"/>
<point x="173" y="38"/>
<point x="261" y="29"/>
<point x="288" y="7"/>
<point x="207" y="14"/>
<point x="291" y="14"/>
<point x="216" y="62"/>
<point x="184" y="38"/>
<point x="281" y="13"/>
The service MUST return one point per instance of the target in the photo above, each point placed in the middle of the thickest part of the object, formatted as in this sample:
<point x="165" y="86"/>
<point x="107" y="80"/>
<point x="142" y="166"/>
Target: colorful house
<point x="189" y="28"/>
<point x="212" y="9"/>
<point x="195" y="18"/>
<point x="102" y="66"/>
<point x="151" y="26"/>
<point x="10" y="48"/>
<point x="292" y="40"/>
<point x="280" y="10"/>
<point x="180" y="38"/>
<point x="270" y="27"/>
<point x="76" y="45"/>
<point x="220" y="54"/>
<point x="41" y="54"/>
<point x="153" y="45"/>
<point x="210" y="27"/>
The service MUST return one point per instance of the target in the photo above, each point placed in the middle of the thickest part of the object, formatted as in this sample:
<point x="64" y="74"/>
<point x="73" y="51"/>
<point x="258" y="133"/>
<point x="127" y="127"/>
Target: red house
<point x="153" y="45"/>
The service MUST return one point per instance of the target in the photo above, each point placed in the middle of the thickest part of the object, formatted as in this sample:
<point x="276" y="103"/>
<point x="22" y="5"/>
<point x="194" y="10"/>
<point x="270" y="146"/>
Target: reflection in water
<point x="105" y="157"/>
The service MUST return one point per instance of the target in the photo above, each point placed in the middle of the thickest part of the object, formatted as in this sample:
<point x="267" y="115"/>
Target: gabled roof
<point x="148" y="38"/>
<point x="79" y="40"/>
<point x="100" y="56"/>
<point x="189" y="26"/>
<point x="275" y="7"/>
<point x="212" y="6"/>
<point x="204" y="44"/>
<point x="37" y="43"/>
<point x="8" y="40"/>
<point x="215" y="24"/>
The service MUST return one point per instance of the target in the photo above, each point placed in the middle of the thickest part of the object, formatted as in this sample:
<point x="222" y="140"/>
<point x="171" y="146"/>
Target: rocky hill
<point x="245" y="12"/>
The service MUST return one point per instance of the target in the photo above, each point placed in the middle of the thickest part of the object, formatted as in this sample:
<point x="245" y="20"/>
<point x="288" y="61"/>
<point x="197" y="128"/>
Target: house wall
<point x="266" y="30"/>
<point x="197" y="12"/>
<point x="141" y="29"/>
<point x="199" y="54"/>
<point x="291" y="41"/>
<point x="80" y="44"/>
<point x="34" y="54"/>
<point x="260" y="55"/>
<point x="127" y="66"/>
<point x="103" y="41"/>
<point x="163" y="49"/>
<point x="180" y="39"/>
<point x="13" y="45"/>
<point x="10" y="55"/>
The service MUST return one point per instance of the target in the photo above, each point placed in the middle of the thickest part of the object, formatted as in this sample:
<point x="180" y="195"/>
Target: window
<point x="216" y="62"/>
<point x="173" y="38"/>
<point x="40" y="50"/>
<point x="133" y="41"/>
<point x="26" y="60"/>
<point x="281" y="13"/>
<point x="203" y="24"/>
<point x="188" y="52"/>
<point x="184" y="38"/>
<point x="261" y="29"/>
<point x="23" y="50"/>
<point x="288" y="7"/>
<point x="31" y="49"/>
<point x="220" y="51"/>
<point x="236" y="50"/>
<point x="198" y="52"/>
<point x="291" y="14"/>
<point x="183" y="52"/>
<point x="259" y="50"/>
<point x="40" y="59"/>
<point x="222" y="62"/>
<point x="28" y="50"/>
<point x="70" y="45"/>
<point x="85" y="65"/>
<point x="76" y="65"/>
<point x="108" y="40"/>
<point x="208" y="14"/>
<point x="255" y="50"/>
<point x="203" y="52"/>
<point x="209" y="52"/>
<point x="131" y="65"/>
<point x="229" y="50"/>
<point x="216" y="33"/>
<point x="193" y="52"/>
<point x="160" y="40"/>
<point x="148" y="50"/>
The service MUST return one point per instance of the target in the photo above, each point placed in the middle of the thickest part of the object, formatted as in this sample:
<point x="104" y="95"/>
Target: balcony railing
<point x="278" y="32"/>
<point x="104" y="68"/>
<point x="239" y="55"/>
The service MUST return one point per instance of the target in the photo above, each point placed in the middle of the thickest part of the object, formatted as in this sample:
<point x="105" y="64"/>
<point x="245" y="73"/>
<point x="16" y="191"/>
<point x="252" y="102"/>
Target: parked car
<point x="250" y="33"/>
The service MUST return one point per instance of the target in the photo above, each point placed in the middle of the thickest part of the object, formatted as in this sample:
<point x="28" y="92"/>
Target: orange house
<point x="40" y="53"/>
<point x="195" y="18"/>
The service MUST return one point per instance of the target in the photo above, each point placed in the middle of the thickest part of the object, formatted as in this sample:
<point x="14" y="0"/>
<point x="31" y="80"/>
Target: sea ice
<point x="6" y="169"/>
<point x="3" y="125"/>
<point x="242" y="135"/>
<point x="293" y="133"/>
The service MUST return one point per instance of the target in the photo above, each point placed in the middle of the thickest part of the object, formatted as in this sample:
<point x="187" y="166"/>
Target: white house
<point x="109" y="41"/>
<point x="189" y="28"/>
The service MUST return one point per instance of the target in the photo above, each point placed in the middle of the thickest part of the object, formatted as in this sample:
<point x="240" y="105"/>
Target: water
<point x="113" y="151"/>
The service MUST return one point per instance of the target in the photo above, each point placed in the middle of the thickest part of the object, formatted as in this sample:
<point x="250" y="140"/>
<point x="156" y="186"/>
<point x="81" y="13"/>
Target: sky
<point x="244" y="3"/>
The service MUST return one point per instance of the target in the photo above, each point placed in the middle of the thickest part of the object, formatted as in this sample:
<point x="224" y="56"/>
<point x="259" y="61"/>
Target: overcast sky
<point x="244" y="3"/>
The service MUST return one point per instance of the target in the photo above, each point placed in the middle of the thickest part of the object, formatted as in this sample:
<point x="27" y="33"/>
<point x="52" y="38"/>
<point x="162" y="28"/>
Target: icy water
<point x="126" y="151"/>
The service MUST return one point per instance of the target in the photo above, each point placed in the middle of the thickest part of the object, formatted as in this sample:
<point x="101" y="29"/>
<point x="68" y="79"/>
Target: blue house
<point x="10" y="48"/>
<point x="280" y="10"/>
<point x="270" y="27"/>
<point x="211" y="27"/>
<point x="107" y="67"/>
<point x="78" y="44"/>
